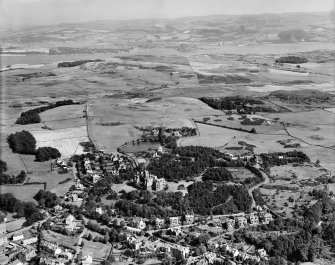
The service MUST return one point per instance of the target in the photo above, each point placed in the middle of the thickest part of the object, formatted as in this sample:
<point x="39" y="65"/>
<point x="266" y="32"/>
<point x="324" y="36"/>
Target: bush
<point x="47" y="153"/>
<point x="22" y="142"/>
<point x="3" y="166"/>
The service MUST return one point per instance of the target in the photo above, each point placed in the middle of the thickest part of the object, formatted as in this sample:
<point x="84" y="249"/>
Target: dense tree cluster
<point x="189" y="161"/>
<point x="291" y="59"/>
<point x="273" y="159"/>
<point x="22" y="142"/>
<point x="217" y="174"/>
<point x="22" y="209"/>
<point x="46" y="153"/>
<point x="32" y="116"/>
<point x="296" y="247"/>
<point x="230" y="103"/>
<point x="258" y="197"/>
<point x="46" y="198"/>
<point x="258" y="178"/>
<point x="306" y="237"/>
<point x="202" y="198"/>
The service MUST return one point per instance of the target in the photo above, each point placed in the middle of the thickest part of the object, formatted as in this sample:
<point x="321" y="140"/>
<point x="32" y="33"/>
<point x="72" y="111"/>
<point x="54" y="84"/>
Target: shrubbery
<point x="47" y="153"/>
<point x="22" y="142"/>
<point x="3" y="166"/>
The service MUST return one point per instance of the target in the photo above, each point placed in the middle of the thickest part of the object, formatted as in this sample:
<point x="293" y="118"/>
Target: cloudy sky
<point x="41" y="12"/>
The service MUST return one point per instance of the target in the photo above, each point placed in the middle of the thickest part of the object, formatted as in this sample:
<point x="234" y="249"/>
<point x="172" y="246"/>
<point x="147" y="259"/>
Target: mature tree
<point x="46" y="198"/>
<point x="47" y="153"/>
<point x="22" y="142"/>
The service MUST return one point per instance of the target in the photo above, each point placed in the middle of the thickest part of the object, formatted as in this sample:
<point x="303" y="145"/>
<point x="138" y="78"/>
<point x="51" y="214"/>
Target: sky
<point x="43" y="12"/>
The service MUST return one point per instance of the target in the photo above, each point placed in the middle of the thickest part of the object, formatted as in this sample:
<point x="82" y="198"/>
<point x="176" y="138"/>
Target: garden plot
<point x="241" y="173"/>
<point x="65" y="140"/>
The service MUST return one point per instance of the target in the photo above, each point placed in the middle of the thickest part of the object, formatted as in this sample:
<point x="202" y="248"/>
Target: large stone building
<point x="150" y="181"/>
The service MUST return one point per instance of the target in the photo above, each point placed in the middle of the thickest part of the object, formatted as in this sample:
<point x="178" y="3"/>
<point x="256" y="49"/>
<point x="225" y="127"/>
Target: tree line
<point x="32" y="116"/>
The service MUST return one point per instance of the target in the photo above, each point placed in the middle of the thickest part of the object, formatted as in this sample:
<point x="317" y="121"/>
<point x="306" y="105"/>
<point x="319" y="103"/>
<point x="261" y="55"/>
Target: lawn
<point x="95" y="249"/>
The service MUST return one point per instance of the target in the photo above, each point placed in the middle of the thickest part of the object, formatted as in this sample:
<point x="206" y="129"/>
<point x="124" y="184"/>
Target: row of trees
<point x="11" y="179"/>
<point x="291" y="59"/>
<point x="32" y="116"/>
<point x="76" y="63"/>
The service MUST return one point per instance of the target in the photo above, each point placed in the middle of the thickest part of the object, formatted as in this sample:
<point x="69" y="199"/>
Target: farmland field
<point x="22" y="192"/>
<point x="65" y="140"/>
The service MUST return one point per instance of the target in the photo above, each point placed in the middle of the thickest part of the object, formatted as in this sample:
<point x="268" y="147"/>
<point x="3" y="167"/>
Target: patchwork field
<point x="65" y="140"/>
<point x="112" y="121"/>
<point x="223" y="138"/>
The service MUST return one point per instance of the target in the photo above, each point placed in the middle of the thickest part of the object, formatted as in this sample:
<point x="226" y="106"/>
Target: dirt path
<point x="266" y="180"/>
